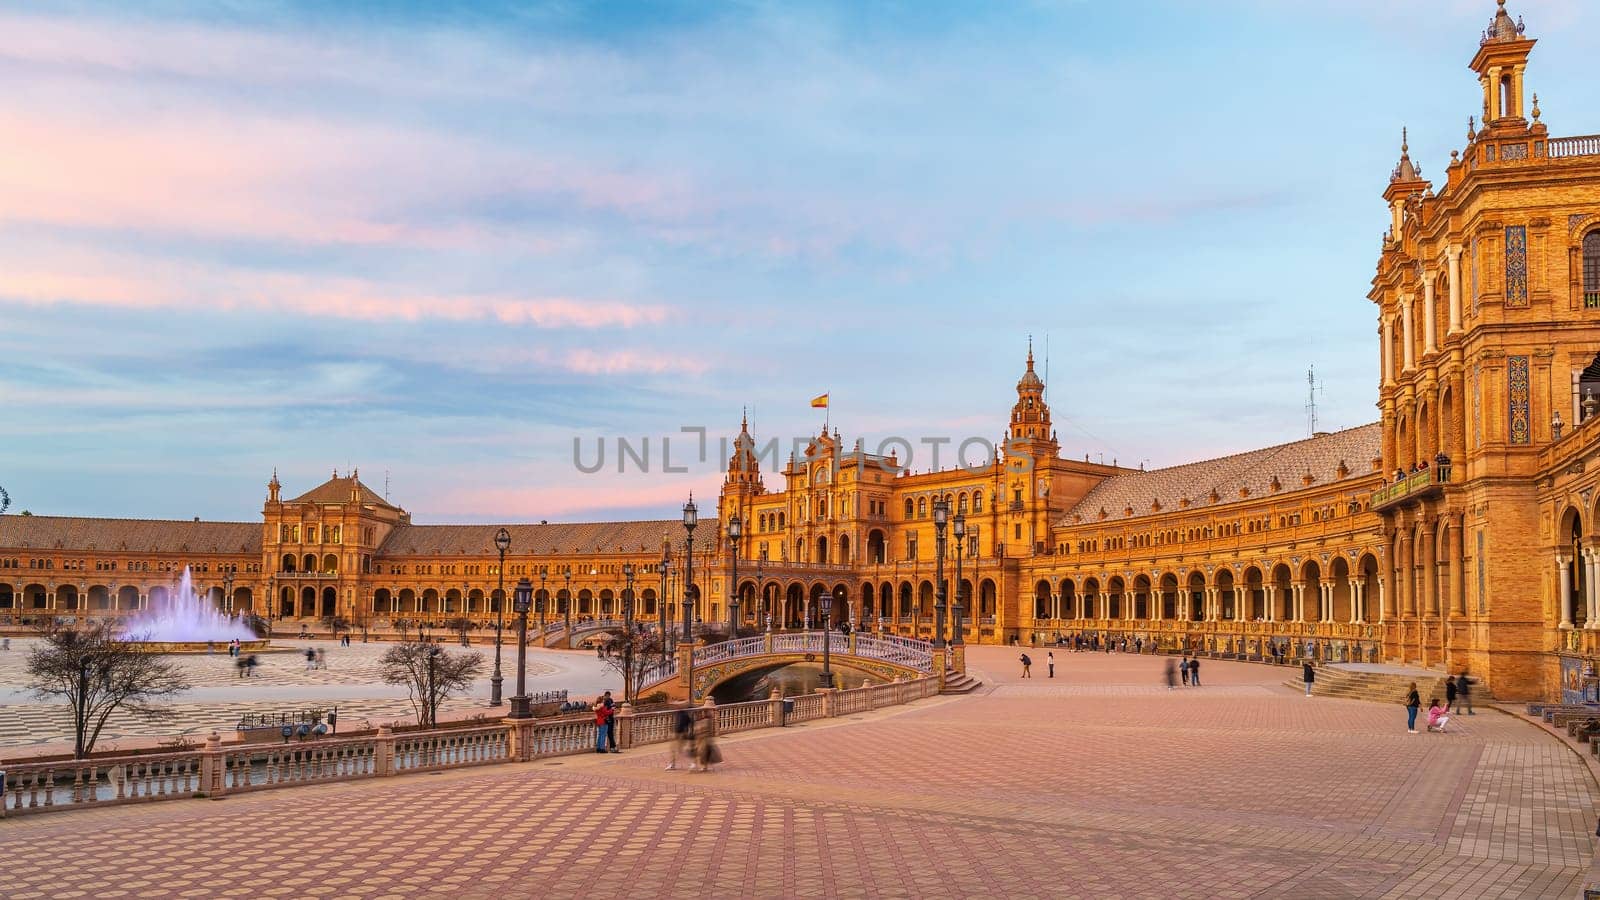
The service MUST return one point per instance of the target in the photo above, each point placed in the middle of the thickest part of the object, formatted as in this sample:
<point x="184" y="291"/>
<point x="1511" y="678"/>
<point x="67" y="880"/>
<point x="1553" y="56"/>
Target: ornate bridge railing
<point x="906" y="653"/>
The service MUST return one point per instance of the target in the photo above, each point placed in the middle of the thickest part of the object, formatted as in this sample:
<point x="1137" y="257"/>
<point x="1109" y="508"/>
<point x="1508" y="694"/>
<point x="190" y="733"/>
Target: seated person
<point x="1436" y="715"/>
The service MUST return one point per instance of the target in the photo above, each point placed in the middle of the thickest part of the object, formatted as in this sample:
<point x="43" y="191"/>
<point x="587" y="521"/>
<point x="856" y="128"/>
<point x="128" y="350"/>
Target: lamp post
<point x="543" y="572"/>
<point x="664" y="601"/>
<point x="735" y="531"/>
<point x="766" y="601"/>
<point x="566" y="607"/>
<point x="958" y="527"/>
<point x="691" y="518"/>
<point x="502" y="542"/>
<point x="941" y="517"/>
<point x="433" y="694"/>
<point x="272" y="601"/>
<point x="519" y="700"/>
<point x="827" y="627"/>
<point x="628" y="635"/>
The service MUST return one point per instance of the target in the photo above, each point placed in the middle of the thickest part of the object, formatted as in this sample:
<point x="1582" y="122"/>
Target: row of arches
<point x="99" y="598"/>
<point x="328" y="565"/>
<point x="584" y="602"/>
<point x="797" y="604"/>
<point x="1336" y="591"/>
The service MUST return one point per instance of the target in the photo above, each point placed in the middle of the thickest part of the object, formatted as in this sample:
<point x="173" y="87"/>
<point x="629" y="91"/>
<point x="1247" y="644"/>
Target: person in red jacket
<point x="602" y="718"/>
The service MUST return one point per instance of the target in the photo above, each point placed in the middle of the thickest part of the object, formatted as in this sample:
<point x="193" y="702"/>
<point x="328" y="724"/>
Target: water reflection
<point x="798" y="678"/>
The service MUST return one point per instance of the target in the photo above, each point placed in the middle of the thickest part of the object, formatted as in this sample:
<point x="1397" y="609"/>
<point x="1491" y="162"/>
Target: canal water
<point x="798" y="678"/>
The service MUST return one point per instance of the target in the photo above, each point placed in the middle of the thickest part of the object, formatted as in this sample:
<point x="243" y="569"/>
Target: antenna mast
<point x="1311" y="401"/>
<point x="386" y="485"/>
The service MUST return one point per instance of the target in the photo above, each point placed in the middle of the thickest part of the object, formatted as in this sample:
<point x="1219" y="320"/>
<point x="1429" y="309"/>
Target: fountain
<point x="187" y="623"/>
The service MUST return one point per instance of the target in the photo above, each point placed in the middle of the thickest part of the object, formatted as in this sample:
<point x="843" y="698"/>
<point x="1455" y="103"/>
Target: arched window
<point x="977" y="501"/>
<point x="922" y="507"/>
<point x="1591" y="269"/>
<point x="780" y="520"/>
<point x="961" y="503"/>
<point x="908" y="507"/>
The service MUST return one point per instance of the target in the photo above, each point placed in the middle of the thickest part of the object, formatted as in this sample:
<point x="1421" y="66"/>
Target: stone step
<point x="1381" y="687"/>
<point x="960" y="684"/>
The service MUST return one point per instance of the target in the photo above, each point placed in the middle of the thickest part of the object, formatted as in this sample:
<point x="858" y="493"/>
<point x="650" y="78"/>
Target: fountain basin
<point x="256" y="646"/>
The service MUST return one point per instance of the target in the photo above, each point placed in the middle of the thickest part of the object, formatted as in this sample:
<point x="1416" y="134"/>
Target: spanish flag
<point x="820" y="401"/>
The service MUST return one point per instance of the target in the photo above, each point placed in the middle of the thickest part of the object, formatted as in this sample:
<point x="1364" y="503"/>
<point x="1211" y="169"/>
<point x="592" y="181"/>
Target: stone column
<point x="1427" y="312"/>
<point x="1327" y="605"/>
<point x="1294" y="601"/>
<point x="1453" y="256"/>
<point x="1458" y="575"/>
<point x="1591" y="590"/>
<point x="1406" y="334"/>
<point x="1383" y="601"/>
<point x="1430" y="573"/>
<point x="1269" y="598"/>
<point x="1241" y="603"/>
<point x="1564" y="575"/>
<point x="1358" y="600"/>
<point x="1388" y="350"/>
<point x="1408" y="576"/>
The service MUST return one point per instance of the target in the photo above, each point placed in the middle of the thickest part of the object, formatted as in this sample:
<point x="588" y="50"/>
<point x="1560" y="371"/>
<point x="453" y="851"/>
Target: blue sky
<point x="443" y="244"/>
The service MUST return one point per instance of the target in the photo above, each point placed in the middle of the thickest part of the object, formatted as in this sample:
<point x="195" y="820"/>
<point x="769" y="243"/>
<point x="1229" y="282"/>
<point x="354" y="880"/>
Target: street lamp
<point x="941" y="517"/>
<point x="959" y="529"/>
<point x="566" y="607"/>
<point x="735" y="531"/>
<point x="433" y="693"/>
<point x="827" y="626"/>
<point x="502" y="542"/>
<point x="519" y="700"/>
<point x="627" y="631"/>
<point x="691" y="518"/>
<point x="543" y="572"/>
<point x="664" y="601"/>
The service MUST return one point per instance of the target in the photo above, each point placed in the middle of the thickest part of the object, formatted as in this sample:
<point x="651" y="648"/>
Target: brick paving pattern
<point x="1101" y="782"/>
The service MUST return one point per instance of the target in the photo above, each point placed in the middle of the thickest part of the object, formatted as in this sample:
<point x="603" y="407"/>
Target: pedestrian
<point x="1308" y="675"/>
<point x="611" y="722"/>
<point x="682" y="737"/>
<point x="1183" y="669"/>
<point x="1413" y="701"/>
<point x="250" y="664"/>
<point x="1464" y="693"/>
<point x="1172" y="674"/>
<point x="322" y="658"/>
<point x="1026" y="662"/>
<point x="240" y="665"/>
<point x="602" y="718"/>
<point x="1449" y="693"/>
<point x="705" y="740"/>
<point x="311" y="659"/>
<point x="1194" y="672"/>
<point x="1436" y="716"/>
<point x="1050" y="661"/>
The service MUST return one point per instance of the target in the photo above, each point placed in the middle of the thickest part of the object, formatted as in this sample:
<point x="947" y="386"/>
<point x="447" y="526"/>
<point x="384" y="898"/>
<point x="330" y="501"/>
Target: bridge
<point x="556" y="634"/>
<point x="709" y="665"/>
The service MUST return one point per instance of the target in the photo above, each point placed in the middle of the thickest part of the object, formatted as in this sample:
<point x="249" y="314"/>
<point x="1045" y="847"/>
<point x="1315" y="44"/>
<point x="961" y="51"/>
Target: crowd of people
<point x="694" y="733"/>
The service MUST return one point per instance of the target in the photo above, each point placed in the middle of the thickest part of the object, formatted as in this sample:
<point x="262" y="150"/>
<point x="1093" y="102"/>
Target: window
<point x="922" y="507"/>
<point x="1591" y="270"/>
<point x="977" y="501"/>
<point x="911" y="546"/>
<point x="908" y="507"/>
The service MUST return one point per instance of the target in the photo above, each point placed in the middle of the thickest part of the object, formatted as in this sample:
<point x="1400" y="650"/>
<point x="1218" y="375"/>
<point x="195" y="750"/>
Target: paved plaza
<point x="1101" y="782"/>
<point x="282" y="683"/>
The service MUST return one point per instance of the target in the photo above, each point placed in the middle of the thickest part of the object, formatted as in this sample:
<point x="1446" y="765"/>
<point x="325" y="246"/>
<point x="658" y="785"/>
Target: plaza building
<point x="1460" y="530"/>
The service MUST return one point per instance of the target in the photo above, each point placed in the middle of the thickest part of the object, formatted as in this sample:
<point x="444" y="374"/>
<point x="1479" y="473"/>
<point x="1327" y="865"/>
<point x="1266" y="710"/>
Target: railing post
<point x="686" y="668"/>
<point x="828" y="702"/>
<point x="766" y="643"/>
<point x="625" y="727"/>
<point x="520" y="736"/>
<point x="383" y="752"/>
<point x="852" y="642"/>
<point x="774" y="707"/>
<point x="958" y="658"/>
<point x="938" y="666"/>
<point x="211" y="766"/>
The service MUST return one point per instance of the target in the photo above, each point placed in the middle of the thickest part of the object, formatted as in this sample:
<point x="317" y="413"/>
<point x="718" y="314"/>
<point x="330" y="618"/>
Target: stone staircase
<point x="1383" y="687"/>
<point x="961" y="683"/>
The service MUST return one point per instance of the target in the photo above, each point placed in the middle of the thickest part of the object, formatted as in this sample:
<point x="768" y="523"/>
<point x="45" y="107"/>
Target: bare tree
<point x="97" y="674"/>
<point x="628" y="654"/>
<point x="430" y="674"/>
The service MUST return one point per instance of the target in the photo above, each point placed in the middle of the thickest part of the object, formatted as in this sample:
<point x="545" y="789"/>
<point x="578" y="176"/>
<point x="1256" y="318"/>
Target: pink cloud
<point x="589" y="495"/>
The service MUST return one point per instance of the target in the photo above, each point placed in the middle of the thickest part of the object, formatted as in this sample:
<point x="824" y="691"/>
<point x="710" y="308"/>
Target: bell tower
<point x="1030" y="417"/>
<point x="1501" y="63"/>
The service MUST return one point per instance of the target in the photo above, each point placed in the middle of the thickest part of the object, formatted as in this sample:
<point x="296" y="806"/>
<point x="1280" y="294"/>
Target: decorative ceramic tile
<point x="1517" y="399"/>
<point x="1516" y="265"/>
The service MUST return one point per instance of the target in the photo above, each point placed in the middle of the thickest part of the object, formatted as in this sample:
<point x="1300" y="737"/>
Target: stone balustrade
<point x="215" y="771"/>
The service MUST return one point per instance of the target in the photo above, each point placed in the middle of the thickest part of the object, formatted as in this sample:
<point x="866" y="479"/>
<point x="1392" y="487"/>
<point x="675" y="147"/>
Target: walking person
<point x="311" y="659"/>
<point x="602" y="720"/>
<point x="1172" y="674"/>
<point x="705" y="740"/>
<point x="1183" y="669"/>
<point x="1194" y="672"/>
<point x="1308" y="674"/>
<point x="1413" y="702"/>
<point x="1026" y="663"/>
<point x="682" y="742"/>
<point x="1050" y="662"/>
<point x="1464" y="693"/>
<point x="1449" y="693"/>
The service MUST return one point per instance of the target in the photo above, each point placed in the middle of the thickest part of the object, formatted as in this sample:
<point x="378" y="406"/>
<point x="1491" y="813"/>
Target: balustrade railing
<point x="35" y="787"/>
<point x="806" y="707"/>
<point x="801" y="642"/>
<point x="453" y="748"/>
<point x="1580" y="145"/>
<point x="299" y="763"/>
<point x="904" y="651"/>
<point x="725" y="650"/>
<point x="744" y="716"/>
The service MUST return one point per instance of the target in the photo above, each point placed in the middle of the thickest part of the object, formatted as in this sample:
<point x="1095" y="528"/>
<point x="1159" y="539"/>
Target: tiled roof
<point x="1226" y="476"/>
<point x="134" y="535"/>
<point x="337" y="490"/>
<point x="541" y="540"/>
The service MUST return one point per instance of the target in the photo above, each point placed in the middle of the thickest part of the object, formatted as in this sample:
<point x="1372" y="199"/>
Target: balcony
<point x="1416" y="486"/>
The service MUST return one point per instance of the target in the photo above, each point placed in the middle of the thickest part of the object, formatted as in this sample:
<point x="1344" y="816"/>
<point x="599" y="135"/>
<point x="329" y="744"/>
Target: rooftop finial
<point x="1030" y="352"/>
<point x="1404" y="141"/>
<point x="1536" y="107"/>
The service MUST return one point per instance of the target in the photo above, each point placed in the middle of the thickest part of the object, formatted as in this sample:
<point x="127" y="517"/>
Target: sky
<point x="442" y="244"/>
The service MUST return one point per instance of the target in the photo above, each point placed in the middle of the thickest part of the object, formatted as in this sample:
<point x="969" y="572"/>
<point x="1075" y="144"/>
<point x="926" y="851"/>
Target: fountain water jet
<point x="186" y="622"/>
